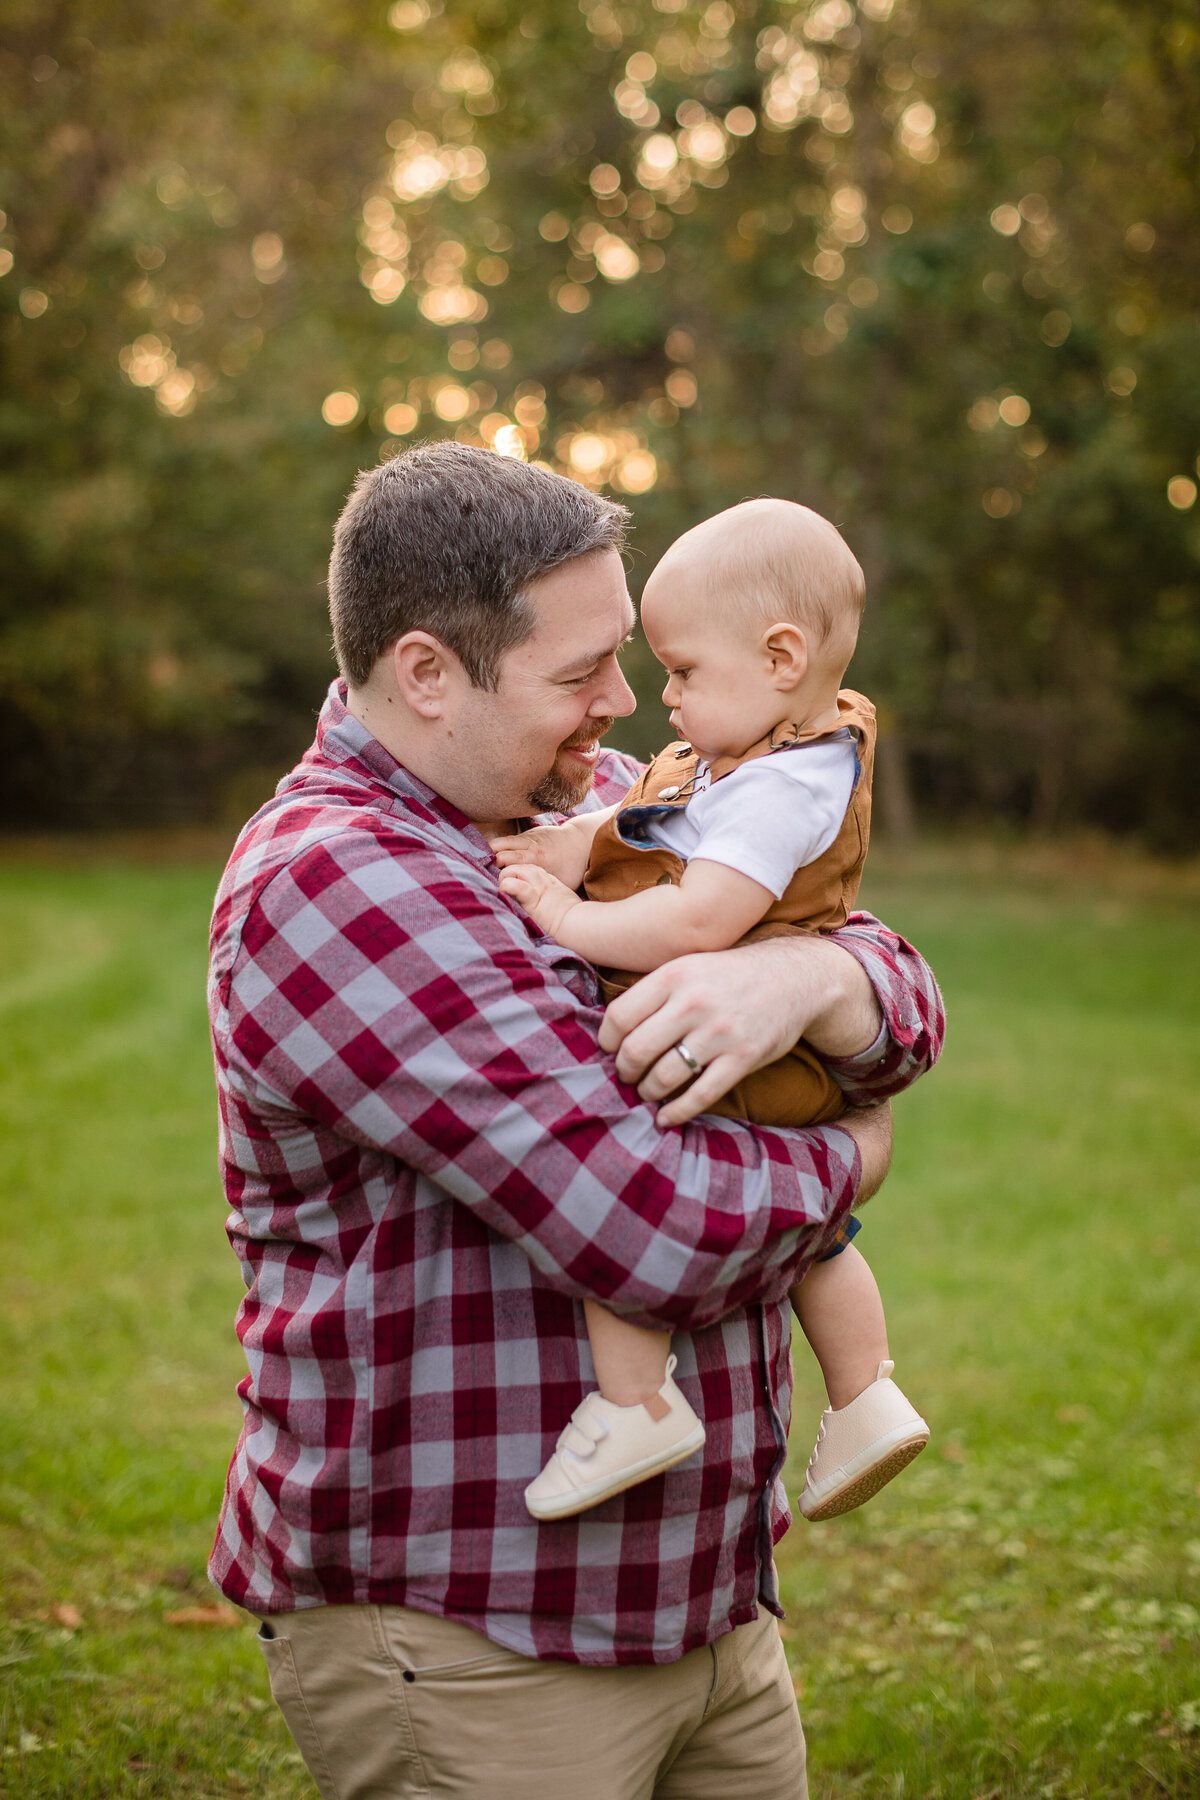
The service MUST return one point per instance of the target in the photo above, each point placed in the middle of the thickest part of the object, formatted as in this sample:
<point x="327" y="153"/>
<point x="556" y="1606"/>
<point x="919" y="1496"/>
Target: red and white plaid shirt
<point x="429" y="1164"/>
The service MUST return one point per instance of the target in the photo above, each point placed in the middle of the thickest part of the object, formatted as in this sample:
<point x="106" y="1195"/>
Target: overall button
<point x="669" y="793"/>
<point x="665" y="881"/>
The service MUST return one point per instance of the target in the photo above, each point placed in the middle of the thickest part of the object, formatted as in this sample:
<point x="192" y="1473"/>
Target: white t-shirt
<point x="769" y="818"/>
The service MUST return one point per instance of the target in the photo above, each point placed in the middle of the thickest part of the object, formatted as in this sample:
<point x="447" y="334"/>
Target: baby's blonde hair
<point x="784" y="561"/>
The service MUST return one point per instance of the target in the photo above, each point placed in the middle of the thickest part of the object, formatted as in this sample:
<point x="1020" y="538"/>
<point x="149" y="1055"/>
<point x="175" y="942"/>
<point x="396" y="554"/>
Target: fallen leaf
<point x="68" y="1615"/>
<point x="203" y="1615"/>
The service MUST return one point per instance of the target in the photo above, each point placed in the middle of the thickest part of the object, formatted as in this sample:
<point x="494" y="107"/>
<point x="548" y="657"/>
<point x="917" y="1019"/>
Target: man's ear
<point x="422" y="666"/>
<point x="786" y="650"/>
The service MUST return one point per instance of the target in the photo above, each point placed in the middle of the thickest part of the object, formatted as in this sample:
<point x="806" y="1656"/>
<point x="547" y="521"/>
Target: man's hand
<point x="543" y="896"/>
<point x="871" y="1129"/>
<point x="737" y="1010"/>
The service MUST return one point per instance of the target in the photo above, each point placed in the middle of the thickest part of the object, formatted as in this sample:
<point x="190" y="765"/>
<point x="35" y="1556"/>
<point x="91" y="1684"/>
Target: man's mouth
<point x="586" y="749"/>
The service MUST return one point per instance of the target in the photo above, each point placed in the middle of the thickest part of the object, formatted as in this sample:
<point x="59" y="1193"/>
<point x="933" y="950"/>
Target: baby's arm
<point x="563" y="850"/>
<point x="712" y="908"/>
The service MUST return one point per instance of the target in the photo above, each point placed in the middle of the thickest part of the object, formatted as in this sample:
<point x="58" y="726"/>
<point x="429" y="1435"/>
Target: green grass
<point x="1018" y="1616"/>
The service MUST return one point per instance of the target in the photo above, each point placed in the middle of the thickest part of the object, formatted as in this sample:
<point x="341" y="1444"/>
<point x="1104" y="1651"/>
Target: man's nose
<point x="616" y="697"/>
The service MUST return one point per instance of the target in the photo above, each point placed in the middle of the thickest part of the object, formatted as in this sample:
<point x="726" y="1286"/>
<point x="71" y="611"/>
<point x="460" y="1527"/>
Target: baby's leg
<point x="631" y="1360"/>
<point x="870" y="1431"/>
<point x="841" y="1315"/>
<point x="637" y="1425"/>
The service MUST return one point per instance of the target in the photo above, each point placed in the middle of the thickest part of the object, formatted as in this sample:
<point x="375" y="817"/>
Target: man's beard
<point x="557" y="792"/>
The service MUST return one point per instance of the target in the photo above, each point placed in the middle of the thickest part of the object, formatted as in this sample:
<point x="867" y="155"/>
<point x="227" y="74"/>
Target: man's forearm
<point x="815" y="972"/>
<point x="865" y="1000"/>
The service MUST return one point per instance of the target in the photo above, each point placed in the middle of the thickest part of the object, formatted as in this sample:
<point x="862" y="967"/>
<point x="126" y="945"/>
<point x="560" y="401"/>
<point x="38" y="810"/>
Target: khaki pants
<point x="389" y="1704"/>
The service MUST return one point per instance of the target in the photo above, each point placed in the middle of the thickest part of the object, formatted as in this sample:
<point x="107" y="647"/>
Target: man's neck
<point x="382" y="716"/>
<point x="496" y="828"/>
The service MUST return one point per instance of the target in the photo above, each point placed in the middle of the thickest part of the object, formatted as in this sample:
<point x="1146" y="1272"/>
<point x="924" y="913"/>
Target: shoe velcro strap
<point x="583" y="1431"/>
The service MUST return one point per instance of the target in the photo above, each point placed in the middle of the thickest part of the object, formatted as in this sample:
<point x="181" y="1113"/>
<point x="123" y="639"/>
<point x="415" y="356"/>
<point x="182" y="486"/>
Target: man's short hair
<point x="445" y="538"/>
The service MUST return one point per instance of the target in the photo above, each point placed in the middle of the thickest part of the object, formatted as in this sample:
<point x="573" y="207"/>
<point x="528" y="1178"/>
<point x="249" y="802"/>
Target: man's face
<point x="532" y="745"/>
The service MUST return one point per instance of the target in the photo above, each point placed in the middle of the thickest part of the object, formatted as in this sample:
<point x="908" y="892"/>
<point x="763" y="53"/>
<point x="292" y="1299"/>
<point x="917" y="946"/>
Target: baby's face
<point x="719" y="690"/>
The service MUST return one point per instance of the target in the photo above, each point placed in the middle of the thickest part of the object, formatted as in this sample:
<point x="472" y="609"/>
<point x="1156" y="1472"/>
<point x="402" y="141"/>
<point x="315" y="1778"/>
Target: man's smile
<point x="584" y="753"/>
<point x="583" y="746"/>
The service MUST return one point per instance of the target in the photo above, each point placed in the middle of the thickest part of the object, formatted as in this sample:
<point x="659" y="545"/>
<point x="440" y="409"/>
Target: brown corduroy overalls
<point x="797" y="1089"/>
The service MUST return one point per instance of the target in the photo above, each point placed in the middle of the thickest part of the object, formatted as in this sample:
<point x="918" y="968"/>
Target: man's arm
<point x="399" y="1001"/>
<point x="862" y="997"/>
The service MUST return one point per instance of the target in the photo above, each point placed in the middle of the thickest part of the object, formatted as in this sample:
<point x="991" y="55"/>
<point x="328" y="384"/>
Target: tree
<point x="897" y="261"/>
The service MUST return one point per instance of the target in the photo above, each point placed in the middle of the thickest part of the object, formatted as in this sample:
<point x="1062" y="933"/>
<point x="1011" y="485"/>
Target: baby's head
<point x="755" y="615"/>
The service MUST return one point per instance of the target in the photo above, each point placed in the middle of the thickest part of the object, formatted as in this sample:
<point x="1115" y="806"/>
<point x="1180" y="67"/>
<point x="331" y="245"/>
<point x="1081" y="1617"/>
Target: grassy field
<point x="1019" y="1616"/>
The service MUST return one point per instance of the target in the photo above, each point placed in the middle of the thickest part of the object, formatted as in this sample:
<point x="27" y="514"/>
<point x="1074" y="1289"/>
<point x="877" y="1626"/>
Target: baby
<point x="755" y="826"/>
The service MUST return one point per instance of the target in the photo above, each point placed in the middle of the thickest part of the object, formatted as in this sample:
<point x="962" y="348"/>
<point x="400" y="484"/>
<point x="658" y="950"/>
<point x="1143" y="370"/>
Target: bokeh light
<point x="509" y="442"/>
<point x="340" y="408"/>
<point x="637" y="473"/>
<point x="452" y="403"/>
<point x="588" y="453"/>
<point x="1014" y="409"/>
<point x="570" y="297"/>
<point x="408" y="15"/>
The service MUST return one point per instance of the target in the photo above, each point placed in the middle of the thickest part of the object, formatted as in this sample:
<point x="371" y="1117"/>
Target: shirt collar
<point x="344" y="744"/>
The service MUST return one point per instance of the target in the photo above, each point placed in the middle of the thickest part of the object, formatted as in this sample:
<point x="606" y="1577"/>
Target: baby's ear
<point x="786" y="648"/>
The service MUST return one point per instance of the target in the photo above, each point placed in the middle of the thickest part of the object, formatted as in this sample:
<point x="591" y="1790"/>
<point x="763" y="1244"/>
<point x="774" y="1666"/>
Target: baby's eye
<point x="682" y="673"/>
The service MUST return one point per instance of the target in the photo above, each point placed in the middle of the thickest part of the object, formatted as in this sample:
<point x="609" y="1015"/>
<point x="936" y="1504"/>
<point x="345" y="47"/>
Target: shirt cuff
<point x="852" y="1067"/>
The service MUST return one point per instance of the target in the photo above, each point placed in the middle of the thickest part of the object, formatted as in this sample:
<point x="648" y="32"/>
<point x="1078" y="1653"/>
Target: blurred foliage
<point x="930" y="267"/>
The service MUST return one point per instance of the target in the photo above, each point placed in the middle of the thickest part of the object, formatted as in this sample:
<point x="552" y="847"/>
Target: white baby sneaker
<point x="606" y="1449"/>
<point x="860" y="1447"/>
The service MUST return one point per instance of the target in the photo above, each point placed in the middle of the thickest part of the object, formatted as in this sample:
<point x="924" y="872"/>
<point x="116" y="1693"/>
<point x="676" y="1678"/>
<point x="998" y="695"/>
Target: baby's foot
<point x="860" y="1447"/>
<point x="606" y="1449"/>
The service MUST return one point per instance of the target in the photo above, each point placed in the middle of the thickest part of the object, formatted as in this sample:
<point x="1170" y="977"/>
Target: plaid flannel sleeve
<point x="914" y="1019"/>
<point x="393" y="996"/>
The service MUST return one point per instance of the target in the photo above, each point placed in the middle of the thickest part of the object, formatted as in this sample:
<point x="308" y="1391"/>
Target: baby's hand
<point x="560" y="849"/>
<point x="543" y="896"/>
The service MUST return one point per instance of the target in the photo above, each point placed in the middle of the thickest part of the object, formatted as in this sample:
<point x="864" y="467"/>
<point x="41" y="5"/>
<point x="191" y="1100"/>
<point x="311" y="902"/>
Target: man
<point x="433" y="1154"/>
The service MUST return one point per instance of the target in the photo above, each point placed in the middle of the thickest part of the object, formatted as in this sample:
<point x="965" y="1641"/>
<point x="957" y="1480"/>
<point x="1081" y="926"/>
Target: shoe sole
<point x="856" y="1489"/>
<point x="565" y="1506"/>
